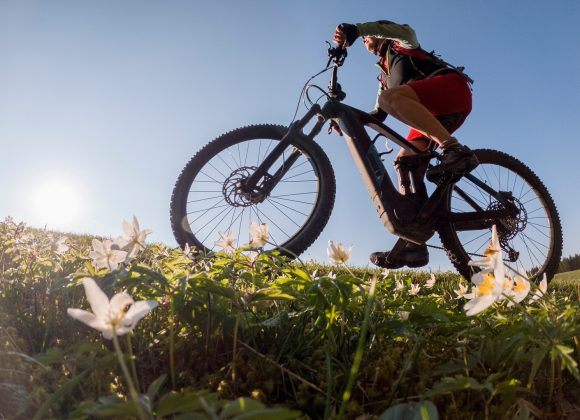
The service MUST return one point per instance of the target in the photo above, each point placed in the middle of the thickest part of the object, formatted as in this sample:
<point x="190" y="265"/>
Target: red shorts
<point x="447" y="97"/>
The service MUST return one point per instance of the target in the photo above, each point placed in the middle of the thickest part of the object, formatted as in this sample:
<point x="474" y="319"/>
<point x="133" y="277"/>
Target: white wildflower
<point x="462" y="291"/>
<point x="260" y="235"/>
<point x="541" y="290"/>
<point x="111" y="317"/>
<point x="484" y="293"/>
<point x="337" y="254"/>
<point x="520" y="289"/>
<point x="60" y="246"/>
<point x="227" y="241"/>
<point x="134" y="240"/>
<point x="488" y="285"/>
<point x="431" y="282"/>
<point x="399" y="285"/>
<point x="414" y="290"/>
<point x="106" y="254"/>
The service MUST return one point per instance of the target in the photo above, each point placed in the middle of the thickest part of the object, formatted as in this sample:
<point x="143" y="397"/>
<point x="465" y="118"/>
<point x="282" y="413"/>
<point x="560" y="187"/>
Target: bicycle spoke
<point x="213" y="179"/>
<point x="204" y="199"/>
<point x="213" y="230"/>
<point x="214" y="206"/>
<point x="285" y="215"/>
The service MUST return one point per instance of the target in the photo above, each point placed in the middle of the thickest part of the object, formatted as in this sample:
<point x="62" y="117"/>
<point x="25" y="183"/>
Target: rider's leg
<point x="403" y="103"/>
<point x="410" y="172"/>
<point x="450" y="100"/>
<point x="417" y="103"/>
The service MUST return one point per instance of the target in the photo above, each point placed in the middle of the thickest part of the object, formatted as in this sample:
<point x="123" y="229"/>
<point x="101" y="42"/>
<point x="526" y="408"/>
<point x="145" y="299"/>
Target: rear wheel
<point x="531" y="242"/>
<point x="208" y="197"/>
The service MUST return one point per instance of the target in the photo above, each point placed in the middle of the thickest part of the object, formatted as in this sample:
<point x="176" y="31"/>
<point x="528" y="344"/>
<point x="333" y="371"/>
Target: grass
<point x="568" y="278"/>
<point x="235" y="337"/>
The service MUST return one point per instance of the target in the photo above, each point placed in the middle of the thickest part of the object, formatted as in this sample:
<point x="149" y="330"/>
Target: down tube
<point x="375" y="176"/>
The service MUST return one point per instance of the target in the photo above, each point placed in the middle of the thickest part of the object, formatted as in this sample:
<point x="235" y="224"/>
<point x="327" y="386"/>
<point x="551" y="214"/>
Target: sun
<point x="56" y="204"/>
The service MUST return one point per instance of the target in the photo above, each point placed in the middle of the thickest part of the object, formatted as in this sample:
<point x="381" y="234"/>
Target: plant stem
<point x="236" y="326"/>
<point x="132" y="390"/>
<point x="172" y="346"/>
<point x="132" y="359"/>
<point x="359" y="351"/>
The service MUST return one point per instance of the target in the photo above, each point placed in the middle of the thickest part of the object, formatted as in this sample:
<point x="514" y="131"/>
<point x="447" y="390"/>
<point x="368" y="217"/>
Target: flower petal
<point x="97" y="298"/>
<point x="119" y="302"/>
<point x="85" y="317"/>
<point x="478" y="305"/>
<point x="138" y="310"/>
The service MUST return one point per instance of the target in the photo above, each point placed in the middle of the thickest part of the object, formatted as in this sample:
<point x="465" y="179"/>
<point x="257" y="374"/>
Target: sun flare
<point x="56" y="203"/>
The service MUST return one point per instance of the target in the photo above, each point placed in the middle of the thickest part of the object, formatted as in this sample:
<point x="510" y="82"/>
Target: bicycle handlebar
<point x="336" y="55"/>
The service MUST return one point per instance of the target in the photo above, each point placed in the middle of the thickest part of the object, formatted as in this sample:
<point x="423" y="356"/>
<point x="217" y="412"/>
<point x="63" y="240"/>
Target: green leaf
<point x="424" y="410"/>
<point x="537" y="359"/>
<point x="427" y="313"/>
<point x="187" y="402"/>
<point x="212" y="287"/>
<point x="52" y="355"/>
<point x="112" y="407"/>
<point x="301" y="274"/>
<point x="241" y="405"/>
<point x="271" y="294"/>
<point x="269" y="414"/>
<point x="155" y="386"/>
<point x="457" y="383"/>
<point x="277" y="321"/>
<point x="568" y="361"/>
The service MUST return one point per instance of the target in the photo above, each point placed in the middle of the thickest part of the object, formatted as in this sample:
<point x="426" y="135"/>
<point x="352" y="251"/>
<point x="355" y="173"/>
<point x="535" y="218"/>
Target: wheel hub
<point x="237" y="194"/>
<point x="509" y="227"/>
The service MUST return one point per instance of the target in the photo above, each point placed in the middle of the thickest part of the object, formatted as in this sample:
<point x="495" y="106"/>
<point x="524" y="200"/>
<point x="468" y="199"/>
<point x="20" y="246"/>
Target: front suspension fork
<point x="295" y="130"/>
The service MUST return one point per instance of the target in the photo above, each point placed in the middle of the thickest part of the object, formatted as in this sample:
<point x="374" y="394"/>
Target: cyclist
<point x="422" y="92"/>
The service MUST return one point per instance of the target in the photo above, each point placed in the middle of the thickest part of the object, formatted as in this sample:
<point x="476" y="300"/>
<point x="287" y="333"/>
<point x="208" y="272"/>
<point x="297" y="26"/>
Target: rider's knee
<point x="390" y="98"/>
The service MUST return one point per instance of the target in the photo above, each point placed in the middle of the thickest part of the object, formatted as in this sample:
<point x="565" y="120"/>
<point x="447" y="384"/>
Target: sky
<point x="103" y="102"/>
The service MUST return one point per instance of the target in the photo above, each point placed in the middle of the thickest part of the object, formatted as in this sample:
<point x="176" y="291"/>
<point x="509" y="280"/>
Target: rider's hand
<point x="345" y="34"/>
<point x="379" y="114"/>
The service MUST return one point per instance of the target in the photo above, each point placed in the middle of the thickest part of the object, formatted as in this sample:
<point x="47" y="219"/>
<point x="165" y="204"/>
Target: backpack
<point x="431" y="56"/>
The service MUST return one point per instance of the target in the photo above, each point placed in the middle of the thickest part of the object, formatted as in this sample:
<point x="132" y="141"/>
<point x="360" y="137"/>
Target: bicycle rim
<point x="214" y="208"/>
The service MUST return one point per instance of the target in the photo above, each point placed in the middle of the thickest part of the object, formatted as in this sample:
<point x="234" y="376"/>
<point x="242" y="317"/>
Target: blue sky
<point x="105" y="101"/>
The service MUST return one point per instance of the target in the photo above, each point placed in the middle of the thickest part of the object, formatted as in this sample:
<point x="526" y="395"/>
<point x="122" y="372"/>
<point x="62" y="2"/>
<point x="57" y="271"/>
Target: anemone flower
<point x="337" y="254"/>
<point x="259" y="234"/>
<point x="541" y="290"/>
<point x="414" y="289"/>
<point x="134" y="237"/>
<point x="520" y="290"/>
<point x="461" y="292"/>
<point x="107" y="254"/>
<point x="227" y="241"/>
<point x="111" y="316"/>
<point x="486" y="290"/>
<point x="431" y="282"/>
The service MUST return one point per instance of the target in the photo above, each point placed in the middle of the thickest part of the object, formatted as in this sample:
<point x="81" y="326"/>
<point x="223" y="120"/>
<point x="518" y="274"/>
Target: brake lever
<point x="338" y="54"/>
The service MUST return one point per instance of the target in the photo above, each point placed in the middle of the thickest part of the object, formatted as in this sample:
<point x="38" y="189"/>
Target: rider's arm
<point x="403" y="34"/>
<point x="377" y="112"/>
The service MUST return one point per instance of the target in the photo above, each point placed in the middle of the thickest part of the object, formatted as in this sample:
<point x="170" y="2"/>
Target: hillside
<point x="93" y="328"/>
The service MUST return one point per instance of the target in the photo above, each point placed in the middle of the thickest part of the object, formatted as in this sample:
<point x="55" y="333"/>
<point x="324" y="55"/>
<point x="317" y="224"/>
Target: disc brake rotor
<point x="236" y="194"/>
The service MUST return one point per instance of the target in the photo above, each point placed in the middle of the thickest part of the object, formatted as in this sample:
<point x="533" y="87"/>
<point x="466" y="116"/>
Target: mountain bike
<point x="280" y="176"/>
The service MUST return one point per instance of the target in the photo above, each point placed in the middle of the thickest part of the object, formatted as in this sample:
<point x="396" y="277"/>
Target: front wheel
<point x="209" y="203"/>
<point x="531" y="242"/>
